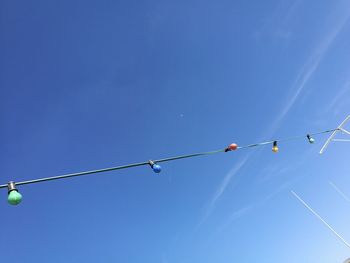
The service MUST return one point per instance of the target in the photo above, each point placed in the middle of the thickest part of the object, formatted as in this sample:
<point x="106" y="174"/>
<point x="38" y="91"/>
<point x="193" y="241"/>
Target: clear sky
<point x="93" y="84"/>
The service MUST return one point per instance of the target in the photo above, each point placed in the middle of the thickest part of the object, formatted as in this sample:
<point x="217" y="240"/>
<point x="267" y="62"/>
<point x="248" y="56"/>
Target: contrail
<point x="321" y="219"/>
<point x="340" y="192"/>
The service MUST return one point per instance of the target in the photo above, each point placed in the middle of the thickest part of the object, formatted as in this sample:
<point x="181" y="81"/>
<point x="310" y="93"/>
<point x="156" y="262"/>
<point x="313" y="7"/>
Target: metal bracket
<point x="339" y="129"/>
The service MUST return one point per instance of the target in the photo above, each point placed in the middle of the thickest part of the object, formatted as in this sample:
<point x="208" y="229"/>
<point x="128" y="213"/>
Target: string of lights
<point x="14" y="197"/>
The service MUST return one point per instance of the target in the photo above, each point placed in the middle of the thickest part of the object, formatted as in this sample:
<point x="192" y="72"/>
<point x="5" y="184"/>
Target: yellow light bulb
<point x="275" y="147"/>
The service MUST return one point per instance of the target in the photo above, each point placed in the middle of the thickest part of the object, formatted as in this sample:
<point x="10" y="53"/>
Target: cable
<point x="286" y="139"/>
<point x="157" y="161"/>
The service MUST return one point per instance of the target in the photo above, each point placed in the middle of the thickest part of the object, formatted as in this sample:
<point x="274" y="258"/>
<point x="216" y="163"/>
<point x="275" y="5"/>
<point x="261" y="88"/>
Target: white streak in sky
<point x="304" y="75"/>
<point x="227" y="179"/>
<point x="220" y="190"/>
<point x="234" y="216"/>
<point x="342" y="194"/>
<point x="311" y="65"/>
<point x="321" y="219"/>
<point x="338" y="97"/>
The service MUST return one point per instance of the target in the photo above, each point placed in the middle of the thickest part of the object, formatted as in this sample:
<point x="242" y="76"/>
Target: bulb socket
<point x="155" y="167"/>
<point x="11" y="186"/>
<point x="311" y="140"/>
<point x="151" y="163"/>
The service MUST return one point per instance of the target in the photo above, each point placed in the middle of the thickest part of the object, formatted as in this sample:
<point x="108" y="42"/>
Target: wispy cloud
<point x="250" y="207"/>
<point x="277" y="24"/>
<point x="335" y="102"/>
<point x="311" y="65"/>
<point x="220" y="190"/>
<point x="234" y="216"/>
<point x="341" y="193"/>
<point x="271" y="171"/>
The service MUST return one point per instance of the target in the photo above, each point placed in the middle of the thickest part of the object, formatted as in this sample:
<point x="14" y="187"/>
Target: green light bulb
<point x="14" y="197"/>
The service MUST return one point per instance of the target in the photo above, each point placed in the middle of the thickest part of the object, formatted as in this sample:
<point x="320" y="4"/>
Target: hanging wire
<point x="160" y="160"/>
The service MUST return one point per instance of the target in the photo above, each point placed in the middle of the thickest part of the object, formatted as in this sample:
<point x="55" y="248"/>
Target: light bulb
<point x="275" y="147"/>
<point x="157" y="168"/>
<point x="311" y="140"/>
<point x="14" y="197"/>
<point x="232" y="147"/>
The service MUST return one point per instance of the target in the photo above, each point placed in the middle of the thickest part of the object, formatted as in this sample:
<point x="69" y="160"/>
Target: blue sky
<point x="93" y="84"/>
